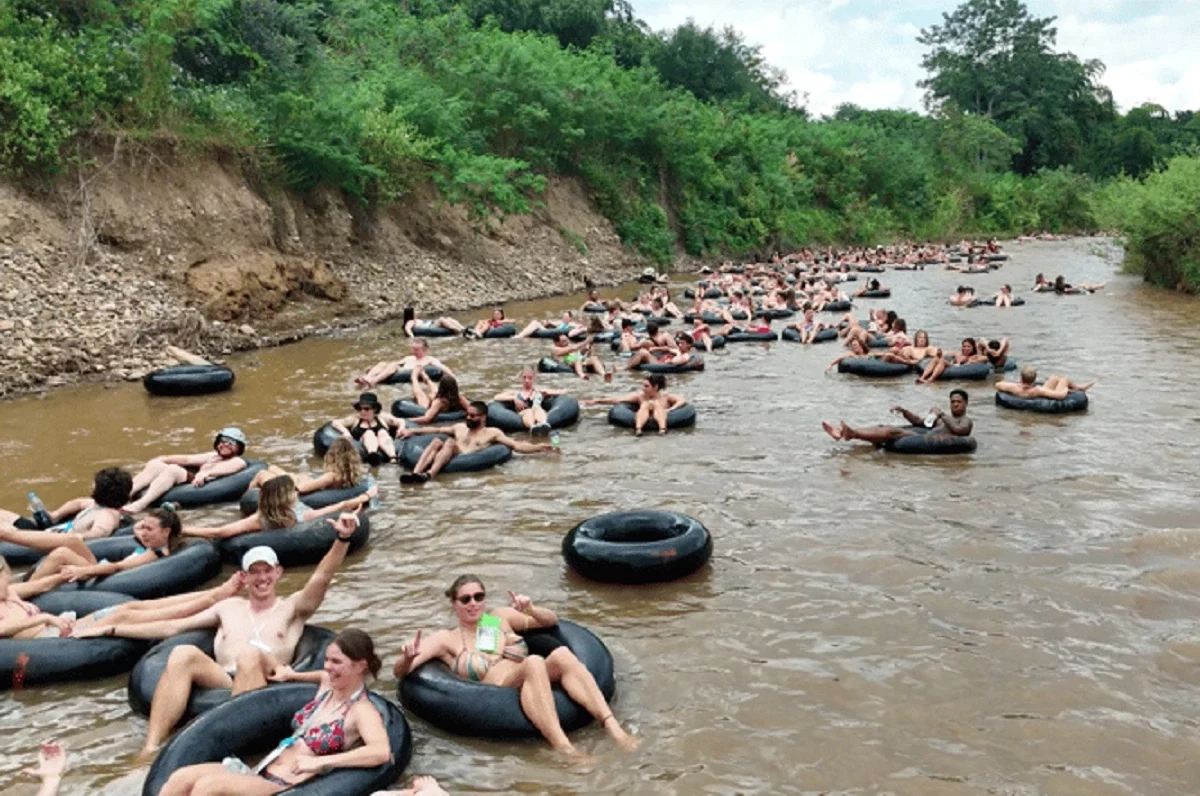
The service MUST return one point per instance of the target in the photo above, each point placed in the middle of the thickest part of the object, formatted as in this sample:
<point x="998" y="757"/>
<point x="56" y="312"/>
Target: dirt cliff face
<point x="100" y="269"/>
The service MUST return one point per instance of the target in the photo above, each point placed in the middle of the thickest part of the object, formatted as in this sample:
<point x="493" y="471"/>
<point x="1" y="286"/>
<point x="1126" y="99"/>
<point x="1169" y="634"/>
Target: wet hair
<point x="657" y="380"/>
<point x="112" y="488"/>
<point x="966" y="398"/>
<point x="1028" y="374"/>
<point x="448" y="391"/>
<point x="480" y="407"/>
<point x="275" y="501"/>
<point x="460" y="581"/>
<point x="410" y="314"/>
<point x="343" y="460"/>
<point x="169" y="520"/>
<point x="358" y="646"/>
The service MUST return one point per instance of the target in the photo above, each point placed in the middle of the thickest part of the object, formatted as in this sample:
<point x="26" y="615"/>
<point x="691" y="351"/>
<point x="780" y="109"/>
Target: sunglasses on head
<point x="465" y="599"/>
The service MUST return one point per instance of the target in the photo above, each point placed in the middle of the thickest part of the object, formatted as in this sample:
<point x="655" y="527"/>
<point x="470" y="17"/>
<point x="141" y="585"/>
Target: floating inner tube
<point x="405" y="376"/>
<point x="314" y="500"/>
<point x="637" y="546"/>
<point x="500" y="332"/>
<point x="693" y="364"/>
<point x="997" y="258"/>
<point x="481" y="710"/>
<point x="38" y="661"/>
<point x="323" y="439"/>
<point x="775" y="314"/>
<point x="1009" y="365"/>
<point x="823" y="336"/>
<point x="302" y="544"/>
<point x="592" y="306"/>
<point x="552" y="334"/>
<point x="870" y="269"/>
<point x="19" y="556"/>
<point x="976" y="371"/>
<point x="561" y="411"/>
<point x="709" y="293"/>
<point x="429" y="330"/>
<point x="485" y="459"/>
<point x="411" y="410"/>
<point x="707" y="317"/>
<point x="255" y="721"/>
<point x="309" y="657"/>
<point x="624" y="415"/>
<point x="837" y="306"/>
<point x="718" y="341"/>
<point x="876" y="294"/>
<point x="750" y="337"/>
<point x="226" y="489"/>
<point x="1076" y="401"/>
<point x="195" y="563"/>
<point x="189" y="380"/>
<point x="550" y="365"/>
<point x="607" y="336"/>
<point x="869" y="366"/>
<point x="991" y="302"/>
<point x="923" y="441"/>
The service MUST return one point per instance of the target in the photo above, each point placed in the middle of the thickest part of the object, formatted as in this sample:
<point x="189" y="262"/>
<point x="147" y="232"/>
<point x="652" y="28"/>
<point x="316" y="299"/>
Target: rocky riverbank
<point x="99" y="273"/>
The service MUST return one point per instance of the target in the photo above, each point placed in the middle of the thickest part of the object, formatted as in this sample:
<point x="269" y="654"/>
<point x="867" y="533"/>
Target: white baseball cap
<point x="259" y="555"/>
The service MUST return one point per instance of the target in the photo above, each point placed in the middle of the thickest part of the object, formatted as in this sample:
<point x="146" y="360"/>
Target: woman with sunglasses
<point x="493" y="652"/>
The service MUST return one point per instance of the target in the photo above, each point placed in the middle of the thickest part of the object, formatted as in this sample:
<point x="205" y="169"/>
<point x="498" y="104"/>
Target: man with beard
<point x="469" y="437"/>
<point x="957" y="424"/>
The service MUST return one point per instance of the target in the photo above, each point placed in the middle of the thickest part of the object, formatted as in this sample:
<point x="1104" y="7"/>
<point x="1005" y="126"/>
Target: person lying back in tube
<point x="163" y="472"/>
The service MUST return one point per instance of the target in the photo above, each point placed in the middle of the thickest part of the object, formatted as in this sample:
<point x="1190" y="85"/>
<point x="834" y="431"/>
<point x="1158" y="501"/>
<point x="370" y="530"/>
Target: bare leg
<point x="528" y="331"/>
<point x="421" y="397"/>
<point x="639" y="357"/>
<point x="641" y="418"/>
<point x="61" y="557"/>
<point x="660" y="416"/>
<point x="386" y="444"/>
<point x="213" y="780"/>
<point x="164" y="476"/>
<point x="377" y="373"/>
<point x="253" y="666"/>
<point x="577" y="366"/>
<point x="448" y="451"/>
<point x="563" y="667"/>
<point x="451" y="324"/>
<point x="187" y="666"/>
<point x="370" y="443"/>
<point x="427" y="455"/>
<point x="876" y="435"/>
<point x="48" y="541"/>
<point x="537" y="702"/>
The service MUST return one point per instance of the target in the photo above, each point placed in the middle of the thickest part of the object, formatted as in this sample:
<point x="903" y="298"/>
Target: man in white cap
<point x="163" y="472"/>
<point x="255" y="633"/>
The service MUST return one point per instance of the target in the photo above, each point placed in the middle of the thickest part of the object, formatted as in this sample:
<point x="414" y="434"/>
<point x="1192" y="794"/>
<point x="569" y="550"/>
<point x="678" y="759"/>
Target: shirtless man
<point x="473" y="435"/>
<point x="88" y="518"/>
<point x="1055" y="387"/>
<point x="254" y="635"/>
<point x="418" y="359"/>
<point x="163" y="472"/>
<point x="679" y="354"/>
<point x="652" y="401"/>
<point x="957" y="424"/>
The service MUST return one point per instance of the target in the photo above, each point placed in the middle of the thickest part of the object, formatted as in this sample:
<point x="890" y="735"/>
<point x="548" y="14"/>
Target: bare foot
<point x="637" y="432"/>
<point x="844" y="431"/>
<point x="1084" y="387"/>
<point x="662" y="431"/>
<point x="361" y="382"/>
<point x="831" y="431"/>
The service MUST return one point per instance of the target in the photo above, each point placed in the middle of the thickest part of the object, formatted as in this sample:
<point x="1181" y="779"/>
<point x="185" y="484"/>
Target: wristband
<point x="345" y="539"/>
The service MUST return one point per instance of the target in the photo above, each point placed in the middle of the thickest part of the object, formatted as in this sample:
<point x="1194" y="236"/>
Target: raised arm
<point x="416" y="653"/>
<point x="523" y="615"/>
<point x="909" y="416"/>
<point x="308" y="599"/>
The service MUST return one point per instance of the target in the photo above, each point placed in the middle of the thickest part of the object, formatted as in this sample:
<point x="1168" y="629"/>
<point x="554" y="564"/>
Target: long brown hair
<point x="275" y="501"/>
<point x="358" y="646"/>
<point x="342" y="459"/>
<point x="448" y="391"/>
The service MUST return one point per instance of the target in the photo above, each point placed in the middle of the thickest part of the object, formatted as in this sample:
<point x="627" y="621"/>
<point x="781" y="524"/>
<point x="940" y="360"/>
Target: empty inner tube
<point x="637" y="546"/>
<point x="775" y="314"/>
<point x="255" y="721"/>
<point x="837" y="306"/>
<point x="302" y="544"/>
<point x="869" y="366"/>
<point x="497" y="332"/>
<point x="484" y="459"/>
<point x="422" y="330"/>
<point x="19" y="556"/>
<point x="875" y="294"/>
<point x="624" y="415"/>
<point x="694" y="363"/>
<point x="411" y="410"/>
<point x="481" y="710"/>
<point x="405" y="376"/>
<point x="561" y="411"/>
<point x="309" y="657"/>
<point x="195" y="563"/>
<point x="226" y="489"/>
<point x="189" y="380"/>
<point x="1076" y="401"/>
<point x="325" y="436"/>
<point x="924" y="441"/>
<point x="314" y="500"/>
<point x="823" y="336"/>
<point x="38" y="661"/>
<point x="740" y="336"/>
<point x="976" y="371"/>
<point x="552" y="334"/>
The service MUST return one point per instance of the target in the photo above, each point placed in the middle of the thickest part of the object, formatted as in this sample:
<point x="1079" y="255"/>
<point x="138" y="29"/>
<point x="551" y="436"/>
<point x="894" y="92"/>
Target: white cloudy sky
<point x="865" y="51"/>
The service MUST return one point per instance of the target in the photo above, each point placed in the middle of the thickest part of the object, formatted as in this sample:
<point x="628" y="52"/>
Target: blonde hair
<point x="342" y="459"/>
<point x="275" y="501"/>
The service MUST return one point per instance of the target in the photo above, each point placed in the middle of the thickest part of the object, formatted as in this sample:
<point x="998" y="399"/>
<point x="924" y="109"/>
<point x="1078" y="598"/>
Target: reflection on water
<point x="1019" y="622"/>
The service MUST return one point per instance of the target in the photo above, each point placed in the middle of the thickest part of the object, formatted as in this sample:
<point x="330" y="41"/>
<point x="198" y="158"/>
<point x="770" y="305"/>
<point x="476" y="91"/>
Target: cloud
<point x="865" y="51"/>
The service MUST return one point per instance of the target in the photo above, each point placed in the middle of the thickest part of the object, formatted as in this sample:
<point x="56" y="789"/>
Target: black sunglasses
<point x="465" y="599"/>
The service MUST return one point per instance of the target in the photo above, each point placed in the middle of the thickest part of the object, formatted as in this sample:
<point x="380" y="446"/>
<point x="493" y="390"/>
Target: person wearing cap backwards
<point x="255" y="634"/>
<point x="373" y="427"/>
<point x="163" y="472"/>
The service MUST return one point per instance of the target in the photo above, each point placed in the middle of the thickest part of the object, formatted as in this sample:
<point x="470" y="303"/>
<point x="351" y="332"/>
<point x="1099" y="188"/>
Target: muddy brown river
<point x="1019" y="622"/>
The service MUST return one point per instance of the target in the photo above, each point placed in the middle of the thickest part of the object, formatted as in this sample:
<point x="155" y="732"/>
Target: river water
<point x="1019" y="622"/>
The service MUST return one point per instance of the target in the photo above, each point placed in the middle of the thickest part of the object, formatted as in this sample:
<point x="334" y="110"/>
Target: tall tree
<point x="992" y="58"/>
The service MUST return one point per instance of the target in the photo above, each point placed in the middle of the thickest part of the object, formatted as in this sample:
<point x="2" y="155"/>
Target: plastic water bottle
<point x="37" y="510"/>
<point x="555" y="438"/>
